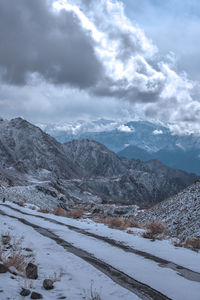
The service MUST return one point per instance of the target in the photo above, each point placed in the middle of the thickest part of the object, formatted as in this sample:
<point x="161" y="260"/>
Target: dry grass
<point x="114" y="222"/>
<point x="21" y="203"/>
<point x="59" y="211"/>
<point x="134" y="223"/>
<point x="76" y="213"/>
<point x="44" y="211"/>
<point x="12" y="254"/>
<point x="5" y="238"/>
<point x="92" y="294"/>
<point x="193" y="243"/>
<point x="155" y="230"/>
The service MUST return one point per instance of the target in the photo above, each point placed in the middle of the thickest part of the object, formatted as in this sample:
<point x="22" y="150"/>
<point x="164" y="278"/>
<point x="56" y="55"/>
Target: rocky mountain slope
<point x="124" y="180"/>
<point x="35" y="167"/>
<point x="180" y="212"/>
<point x="95" y="158"/>
<point x="29" y="150"/>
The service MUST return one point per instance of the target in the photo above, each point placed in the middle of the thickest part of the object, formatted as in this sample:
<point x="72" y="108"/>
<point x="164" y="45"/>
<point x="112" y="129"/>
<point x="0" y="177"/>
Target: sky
<point x="84" y="59"/>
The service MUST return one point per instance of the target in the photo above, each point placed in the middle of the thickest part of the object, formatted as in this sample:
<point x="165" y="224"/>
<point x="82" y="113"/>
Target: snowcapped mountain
<point x="29" y="150"/>
<point x="181" y="212"/>
<point x="35" y="167"/>
<point x="138" y="139"/>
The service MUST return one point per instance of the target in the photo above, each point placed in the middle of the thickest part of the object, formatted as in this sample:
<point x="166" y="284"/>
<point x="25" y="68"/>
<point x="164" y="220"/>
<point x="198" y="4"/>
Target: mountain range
<point x="138" y="140"/>
<point x="36" y="168"/>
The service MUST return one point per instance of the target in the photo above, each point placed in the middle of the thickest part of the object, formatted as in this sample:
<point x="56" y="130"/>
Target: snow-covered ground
<point x="79" y="274"/>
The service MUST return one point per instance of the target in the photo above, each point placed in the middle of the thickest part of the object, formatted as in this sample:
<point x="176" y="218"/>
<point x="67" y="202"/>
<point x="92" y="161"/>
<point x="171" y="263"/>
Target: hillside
<point x="123" y="180"/>
<point x="180" y="212"/>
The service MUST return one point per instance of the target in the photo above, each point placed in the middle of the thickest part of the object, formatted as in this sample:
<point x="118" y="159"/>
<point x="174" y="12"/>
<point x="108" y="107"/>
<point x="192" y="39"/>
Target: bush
<point x="12" y="254"/>
<point x="193" y="243"/>
<point x="134" y="223"/>
<point x="76" y="213"/>
<point x="114" y="222"/>
<point x="155" y="230"/>
<point x="59" y="211"/>
<point x="44" y="211"/>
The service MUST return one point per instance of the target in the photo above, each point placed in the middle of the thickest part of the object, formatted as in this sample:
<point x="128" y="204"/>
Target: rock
<point x="28" y="249"/>
<point x="25" y="292"/>
<point x="48" y="284"/>
<point x="31" y="271"/>
<point x="3" y="269"/>
<point x="35" y="295"/>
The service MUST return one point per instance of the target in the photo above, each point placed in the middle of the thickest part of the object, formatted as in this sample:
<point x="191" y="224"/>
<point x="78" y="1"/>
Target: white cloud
<point x="157" y="132"/>
<point x="125" y="128"/>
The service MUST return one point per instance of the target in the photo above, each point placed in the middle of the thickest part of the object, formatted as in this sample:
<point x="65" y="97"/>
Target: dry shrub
<point x="44" y="211"/>
<point x="135" y="223"/>
<point x="5" y="238"/>
<point x="178" y="244"/>
<point x="12" y="255"/>
<point x="76" y="213"/>
<point x="17" y="260"/>
<point x="155" y="230"/>
<point x="59" y="211"/>
<point x="193" y="243"/>
<point x="92" y="294"/>
<point x="114" y="222"/>
<point x="99" y="219"/>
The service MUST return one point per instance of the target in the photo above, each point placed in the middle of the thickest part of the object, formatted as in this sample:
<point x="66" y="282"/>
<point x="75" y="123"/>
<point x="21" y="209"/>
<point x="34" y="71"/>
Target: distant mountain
<point x="188" y="160"/>
<point x="135" y="152"/>
<point x="181" y="213"/>
<point x="138" y="139"/>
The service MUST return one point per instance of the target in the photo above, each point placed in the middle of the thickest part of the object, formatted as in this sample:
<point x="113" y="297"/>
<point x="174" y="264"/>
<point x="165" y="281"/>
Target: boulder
<point x="3" y="268"/>
<point x="48" y="284"/>
<point x="35" y="295"/>
<point x="31" y="271"/>
<point x="25" y="292"/>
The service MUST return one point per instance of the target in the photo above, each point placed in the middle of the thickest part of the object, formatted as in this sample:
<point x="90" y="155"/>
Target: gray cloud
<point x="78" y="60"/>
<point x="34" y="39"/>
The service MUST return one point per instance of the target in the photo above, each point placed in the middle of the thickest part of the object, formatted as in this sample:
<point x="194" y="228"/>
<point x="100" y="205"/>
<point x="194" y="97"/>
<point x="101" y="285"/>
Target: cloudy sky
<point x="85" y="59"/>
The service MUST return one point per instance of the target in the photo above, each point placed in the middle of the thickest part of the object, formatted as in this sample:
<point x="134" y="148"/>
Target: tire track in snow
<point x="182" y="271"/>
<point x="140" y="289"/>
